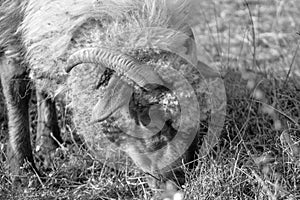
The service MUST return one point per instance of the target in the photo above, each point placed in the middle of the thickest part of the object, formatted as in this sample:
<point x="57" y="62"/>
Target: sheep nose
<point x="153" y="119"/>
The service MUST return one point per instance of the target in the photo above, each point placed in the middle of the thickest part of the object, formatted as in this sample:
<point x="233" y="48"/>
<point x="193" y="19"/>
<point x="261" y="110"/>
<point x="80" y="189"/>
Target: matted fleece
<point x="155" y="33"/>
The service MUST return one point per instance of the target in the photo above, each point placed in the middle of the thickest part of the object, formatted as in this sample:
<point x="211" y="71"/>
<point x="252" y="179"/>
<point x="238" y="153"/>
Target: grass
<point x="256" y="47"/>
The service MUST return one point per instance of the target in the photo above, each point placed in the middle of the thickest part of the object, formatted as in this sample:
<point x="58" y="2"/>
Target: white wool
<point x="49" y="25"/>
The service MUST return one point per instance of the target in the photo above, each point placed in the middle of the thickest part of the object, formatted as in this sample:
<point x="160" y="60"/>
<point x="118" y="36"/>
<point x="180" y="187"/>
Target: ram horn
<point x="123" y="65"/>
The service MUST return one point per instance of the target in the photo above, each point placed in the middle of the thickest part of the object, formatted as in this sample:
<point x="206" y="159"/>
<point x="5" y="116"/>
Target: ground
<point x="255" y="46"/>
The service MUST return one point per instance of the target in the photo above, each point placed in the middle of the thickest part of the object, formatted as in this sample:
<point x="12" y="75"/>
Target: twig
<point x="253" y="34"/>
<point x="292" y="63"/>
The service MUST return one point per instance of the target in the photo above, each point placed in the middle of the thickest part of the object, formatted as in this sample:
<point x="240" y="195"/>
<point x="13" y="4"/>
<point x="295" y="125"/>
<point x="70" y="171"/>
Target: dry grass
<point x="255" y="45"/>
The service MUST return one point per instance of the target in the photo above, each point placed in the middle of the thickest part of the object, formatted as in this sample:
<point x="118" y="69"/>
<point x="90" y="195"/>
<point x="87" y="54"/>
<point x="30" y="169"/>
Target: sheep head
<point x="150" y="110"/>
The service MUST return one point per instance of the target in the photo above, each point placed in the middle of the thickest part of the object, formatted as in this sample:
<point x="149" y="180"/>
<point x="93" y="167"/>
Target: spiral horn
<point x="123" y="65"/>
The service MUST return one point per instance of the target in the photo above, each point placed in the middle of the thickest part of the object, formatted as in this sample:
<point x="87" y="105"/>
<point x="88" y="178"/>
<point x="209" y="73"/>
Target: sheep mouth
<point x="145" y="145"/>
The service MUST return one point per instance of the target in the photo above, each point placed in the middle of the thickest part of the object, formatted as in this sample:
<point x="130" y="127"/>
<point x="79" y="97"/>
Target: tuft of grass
<point x="253" y="160"/>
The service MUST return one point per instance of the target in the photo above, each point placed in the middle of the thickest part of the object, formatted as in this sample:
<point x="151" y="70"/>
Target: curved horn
<point x="120" y="63"/>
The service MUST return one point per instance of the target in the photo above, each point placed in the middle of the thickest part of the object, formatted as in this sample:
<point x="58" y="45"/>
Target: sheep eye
<point x="105" y="77"/>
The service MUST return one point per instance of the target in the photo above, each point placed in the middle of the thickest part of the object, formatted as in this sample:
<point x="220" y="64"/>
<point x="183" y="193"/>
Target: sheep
<point x="129" y="72"/>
